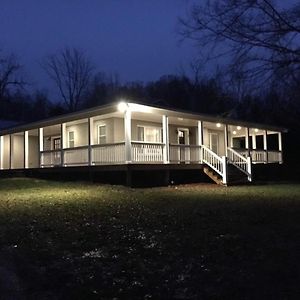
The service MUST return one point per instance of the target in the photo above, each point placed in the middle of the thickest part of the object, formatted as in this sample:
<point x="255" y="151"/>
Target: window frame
<point x="103" y="135"/>
<point x="159" y="128"/>
<point x="71" y="140"/>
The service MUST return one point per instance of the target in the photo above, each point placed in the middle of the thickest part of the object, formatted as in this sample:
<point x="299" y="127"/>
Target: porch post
<point x="226" y="139"/>
<point x="63" y="135"/>
<point x="1" y="151"/>
<point x="41" y="146"/>
<point x="165" y="123"/>
<point x="266" y="146"/>
<point x="127" y="128"/>
<point x="11" y="152"/>
<point x="90" y="138"/>
<point x="247" y="141"/>
<point x="280" y="146"/>
<point x="26" y="149"/>
<point x="200" y="139"/>
<point x="254" y="141"/>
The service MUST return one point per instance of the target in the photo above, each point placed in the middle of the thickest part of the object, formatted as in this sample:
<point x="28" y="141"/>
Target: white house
<point x="134" y="134"/>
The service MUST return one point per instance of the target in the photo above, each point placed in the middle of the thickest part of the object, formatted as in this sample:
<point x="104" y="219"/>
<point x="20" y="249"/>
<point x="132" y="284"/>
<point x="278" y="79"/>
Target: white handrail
<point x="241" y="162"/>
<point x="214" y="161"/>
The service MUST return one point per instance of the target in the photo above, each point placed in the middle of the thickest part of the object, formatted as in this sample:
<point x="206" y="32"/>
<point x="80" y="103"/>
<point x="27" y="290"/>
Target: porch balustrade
<point x="108" y="154"/>
<point x="76" y="156"/>
<point x="147" y="152"/>
<point x="185" y="153"/>
<point x="141" y="152"/>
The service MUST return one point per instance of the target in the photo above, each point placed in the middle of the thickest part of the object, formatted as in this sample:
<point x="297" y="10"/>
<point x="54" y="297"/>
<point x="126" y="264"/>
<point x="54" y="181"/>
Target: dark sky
<point x="136" y="39"/>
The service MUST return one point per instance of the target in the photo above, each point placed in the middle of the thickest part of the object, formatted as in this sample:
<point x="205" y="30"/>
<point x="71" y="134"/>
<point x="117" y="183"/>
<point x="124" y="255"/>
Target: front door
<point x="57" y="155"/>
<point x="214" y="142"/>
<point x="184" y="140"/>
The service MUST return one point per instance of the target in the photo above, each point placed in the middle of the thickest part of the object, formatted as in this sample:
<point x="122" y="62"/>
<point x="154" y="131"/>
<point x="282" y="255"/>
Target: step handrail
<point x="214" y="161"/>
<point x="241" y="162"/>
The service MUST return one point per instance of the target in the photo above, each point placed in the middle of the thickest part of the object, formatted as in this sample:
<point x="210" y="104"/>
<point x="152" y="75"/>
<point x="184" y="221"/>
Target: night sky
<point x="133" y="38"/>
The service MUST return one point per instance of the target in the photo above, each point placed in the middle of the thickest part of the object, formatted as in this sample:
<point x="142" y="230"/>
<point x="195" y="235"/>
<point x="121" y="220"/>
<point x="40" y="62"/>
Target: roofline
<point x="113" y="107"/>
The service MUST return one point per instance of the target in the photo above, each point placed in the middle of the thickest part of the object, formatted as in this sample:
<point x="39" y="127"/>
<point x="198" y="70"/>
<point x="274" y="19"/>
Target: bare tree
<point x="9" y="74"/>
<point x="258" y="34"/>
<point x="71" y="71"/>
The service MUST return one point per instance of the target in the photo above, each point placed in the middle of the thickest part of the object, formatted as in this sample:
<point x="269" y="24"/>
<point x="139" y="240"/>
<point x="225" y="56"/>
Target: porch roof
<point x="137" y="107"/>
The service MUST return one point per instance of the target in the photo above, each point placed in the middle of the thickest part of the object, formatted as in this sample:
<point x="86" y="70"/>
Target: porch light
<point x="122" y="106"/>
<point x="238" y="127"/>
<point x="218" y="125"/>
<point x="234" y="132"/>
<point x="256" y="130"/>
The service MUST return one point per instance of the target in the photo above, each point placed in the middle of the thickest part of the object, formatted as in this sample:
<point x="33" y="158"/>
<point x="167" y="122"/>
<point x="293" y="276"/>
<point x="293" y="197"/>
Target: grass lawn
<point x="83" y="241"/>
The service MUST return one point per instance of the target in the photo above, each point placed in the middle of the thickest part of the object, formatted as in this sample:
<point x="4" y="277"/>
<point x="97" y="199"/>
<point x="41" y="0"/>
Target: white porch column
<point x="26" y="149"/>
<point x="41" y="146"/>
<point x="11" y="150"/>
<point x="280" y="146"/>
<point x="247" y="141"/>
<point x="253" y="141"/>
<point x="63" y="139"/>
<point x="266" y="145"/>
<point x="165" y="125"/>
<point x="280" y="141"/>
<point x="90" y="139"/>
<point x="127" y="129"/>
<point x="1" y="151"/>
<point x="226" y="139"/>
<point x="200" y="139"/>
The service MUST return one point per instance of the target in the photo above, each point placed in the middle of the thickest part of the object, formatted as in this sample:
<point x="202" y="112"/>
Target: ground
<point x="84" y="241"/>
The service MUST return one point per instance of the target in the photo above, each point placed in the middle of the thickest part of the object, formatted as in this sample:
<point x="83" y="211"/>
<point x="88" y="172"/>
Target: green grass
<point x="82" y="241"/>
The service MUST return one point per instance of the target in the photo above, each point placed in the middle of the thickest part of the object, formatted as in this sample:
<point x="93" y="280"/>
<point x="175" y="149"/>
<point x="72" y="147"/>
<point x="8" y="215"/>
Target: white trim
<point x="26" y="149"/>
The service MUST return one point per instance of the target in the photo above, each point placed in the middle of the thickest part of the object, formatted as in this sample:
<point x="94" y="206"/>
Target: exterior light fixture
<point x="180" y="119"/>
<point x="256" y="130"/>
<point x="218" y="125"/>
<point x="122" y="106"/>
<point x="238" y="127"/>
<point x="234" y="132"/>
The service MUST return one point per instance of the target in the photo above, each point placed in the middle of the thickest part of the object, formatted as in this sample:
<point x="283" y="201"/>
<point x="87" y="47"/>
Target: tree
<point x="71" y="71"/>
<point x="258" y="34"/>
<point x="9" y="74"/>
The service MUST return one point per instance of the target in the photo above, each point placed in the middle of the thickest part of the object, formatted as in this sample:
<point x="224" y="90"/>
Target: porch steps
<point x="234" y="176"/>
<point x="214" y="176"/>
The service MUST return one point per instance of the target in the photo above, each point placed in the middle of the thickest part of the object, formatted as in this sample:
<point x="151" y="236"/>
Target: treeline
<point x="207" y="96"/>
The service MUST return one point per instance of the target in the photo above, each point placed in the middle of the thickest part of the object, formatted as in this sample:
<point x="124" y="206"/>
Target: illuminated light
<point x="122" y="106"/>
<point x="238" y="127"/>
<point x="234" y="132"/>
<point x="256" y="130"/>
<point x="180" y="119"/>
<point x="218" y="125"/>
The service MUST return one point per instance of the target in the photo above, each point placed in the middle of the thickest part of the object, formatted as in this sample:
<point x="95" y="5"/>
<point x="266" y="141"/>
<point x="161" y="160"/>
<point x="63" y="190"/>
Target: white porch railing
<point x="274" y="156"/>
<point x="217" y="163"/>
<point x="50" y="158"/>
<point x="147" y="152"/>
<point x="76" y="156"/>
<point x="241" y="162"/>
<point x="185" y="153"/>
<point x="262" y="156"/>
<point x="108" y="154"/>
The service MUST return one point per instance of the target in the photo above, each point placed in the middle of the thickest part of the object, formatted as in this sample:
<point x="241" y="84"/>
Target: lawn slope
<point x="83" y="241"/>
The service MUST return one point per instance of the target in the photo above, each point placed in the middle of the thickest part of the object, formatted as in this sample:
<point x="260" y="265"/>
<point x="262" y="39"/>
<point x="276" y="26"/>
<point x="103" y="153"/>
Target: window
<point x="71" y="139"/>
<point x="101" y="134"/>
<point x="149" y="134"/>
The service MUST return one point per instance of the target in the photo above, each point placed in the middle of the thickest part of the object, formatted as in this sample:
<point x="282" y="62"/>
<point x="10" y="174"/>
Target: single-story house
<point x="143" y="136"/>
